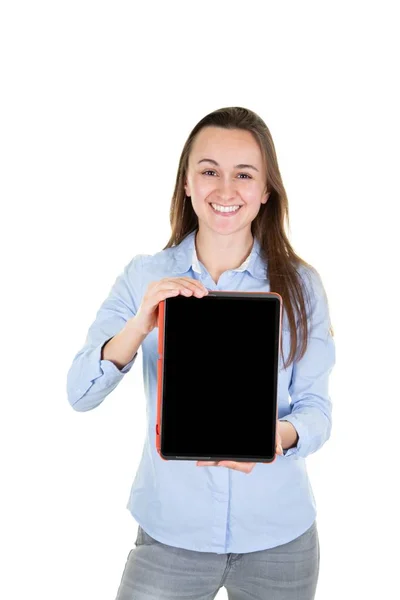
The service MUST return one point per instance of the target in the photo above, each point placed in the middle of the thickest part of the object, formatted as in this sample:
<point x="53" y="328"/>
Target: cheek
<point x="255" y="194"/>
<point x="199" y="204"/>
<point x="202" y="186"/>
<point x="201" y="192"/>
<point x="251" y="197"/>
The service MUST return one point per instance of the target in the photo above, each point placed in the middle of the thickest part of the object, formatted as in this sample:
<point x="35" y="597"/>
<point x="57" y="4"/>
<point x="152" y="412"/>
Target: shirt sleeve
<point x="90" y="379"/>
<point x="311" y="405"/>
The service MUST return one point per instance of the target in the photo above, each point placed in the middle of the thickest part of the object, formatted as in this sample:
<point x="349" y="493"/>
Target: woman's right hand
<point x="146" y="317"/>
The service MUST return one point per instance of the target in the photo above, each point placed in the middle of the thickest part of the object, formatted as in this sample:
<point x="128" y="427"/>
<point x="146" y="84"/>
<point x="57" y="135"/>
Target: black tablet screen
<point x="220" y="376"/>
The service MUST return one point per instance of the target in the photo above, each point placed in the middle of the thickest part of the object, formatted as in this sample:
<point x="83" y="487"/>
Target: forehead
<point x="226" y="146"/>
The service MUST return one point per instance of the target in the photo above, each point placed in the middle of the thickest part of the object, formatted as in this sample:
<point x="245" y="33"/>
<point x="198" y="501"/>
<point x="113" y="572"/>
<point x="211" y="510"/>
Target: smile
<point x="225" y="210"/>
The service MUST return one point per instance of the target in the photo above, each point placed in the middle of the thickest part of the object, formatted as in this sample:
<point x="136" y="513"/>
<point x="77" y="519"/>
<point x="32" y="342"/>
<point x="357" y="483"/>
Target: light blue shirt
<point x="215" y="509"/>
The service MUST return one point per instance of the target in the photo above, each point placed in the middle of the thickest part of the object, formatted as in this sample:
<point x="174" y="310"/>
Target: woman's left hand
<point x="245" y="467"/>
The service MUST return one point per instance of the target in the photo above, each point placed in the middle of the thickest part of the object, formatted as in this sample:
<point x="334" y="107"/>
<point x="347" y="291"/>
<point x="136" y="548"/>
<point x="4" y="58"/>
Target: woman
<point x="249" y="527"/>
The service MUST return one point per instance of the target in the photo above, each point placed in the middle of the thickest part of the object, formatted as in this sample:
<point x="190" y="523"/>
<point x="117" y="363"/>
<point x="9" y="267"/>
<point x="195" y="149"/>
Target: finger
<point x="186" y="290"/>
<point x="244" y="467"/>
<point x="194" y="285"/>
<point x="188" y="286"/>
<point x="206" y="463"/>
<point x="278" y="438"/>
<point x="195" y="282"/>
<point x="163" y="294"/>
<point x="171" y="288"/>
<point x="228" y="463"/>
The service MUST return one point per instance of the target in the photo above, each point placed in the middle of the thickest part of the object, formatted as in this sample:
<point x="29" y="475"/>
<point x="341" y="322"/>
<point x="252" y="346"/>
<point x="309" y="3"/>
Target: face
<point x="226" y="179"/>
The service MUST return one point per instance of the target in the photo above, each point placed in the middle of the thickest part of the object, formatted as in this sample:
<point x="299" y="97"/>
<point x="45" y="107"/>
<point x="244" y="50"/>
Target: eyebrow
<point x="241" y="166"/>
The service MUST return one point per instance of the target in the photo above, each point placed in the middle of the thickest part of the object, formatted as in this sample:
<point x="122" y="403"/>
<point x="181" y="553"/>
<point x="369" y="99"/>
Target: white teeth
<point x="225" y="208"/>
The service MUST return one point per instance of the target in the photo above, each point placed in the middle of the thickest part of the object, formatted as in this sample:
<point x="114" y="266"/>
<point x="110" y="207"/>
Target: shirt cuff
<point x="294" y="451"/>
<point x="104" y="368"/>
<point x="107" y="367"/>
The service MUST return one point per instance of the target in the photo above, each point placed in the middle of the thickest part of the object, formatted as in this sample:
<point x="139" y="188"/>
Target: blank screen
<point x="220" y="376"/>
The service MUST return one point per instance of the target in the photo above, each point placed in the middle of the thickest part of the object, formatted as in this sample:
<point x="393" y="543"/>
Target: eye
<point x="212" y="171"/>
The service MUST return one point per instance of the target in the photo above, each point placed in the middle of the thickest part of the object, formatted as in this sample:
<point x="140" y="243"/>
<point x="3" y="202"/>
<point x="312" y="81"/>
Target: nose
<point x="226" y="190"/>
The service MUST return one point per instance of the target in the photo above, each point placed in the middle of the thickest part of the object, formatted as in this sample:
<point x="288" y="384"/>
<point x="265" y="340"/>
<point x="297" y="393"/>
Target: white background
<point x="97" y="100"/>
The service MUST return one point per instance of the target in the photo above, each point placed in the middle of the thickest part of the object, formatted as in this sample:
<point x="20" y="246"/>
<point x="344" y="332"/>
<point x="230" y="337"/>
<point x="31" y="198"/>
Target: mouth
<point x="225" y="211"/>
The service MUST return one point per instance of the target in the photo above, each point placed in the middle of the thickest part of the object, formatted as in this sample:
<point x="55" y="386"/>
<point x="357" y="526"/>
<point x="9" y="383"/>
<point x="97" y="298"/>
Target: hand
<point x="245" y="467"/>
<point x="146" y="317"/>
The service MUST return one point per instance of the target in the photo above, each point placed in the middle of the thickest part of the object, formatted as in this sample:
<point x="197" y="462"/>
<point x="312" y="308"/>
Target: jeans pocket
<point x="144" y="538"/>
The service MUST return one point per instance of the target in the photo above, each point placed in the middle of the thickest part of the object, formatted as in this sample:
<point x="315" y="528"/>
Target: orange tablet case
<point x="160" y="364"/>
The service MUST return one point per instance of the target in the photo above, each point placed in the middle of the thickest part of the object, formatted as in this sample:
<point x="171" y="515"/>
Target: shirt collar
<point x="185" y="256"/>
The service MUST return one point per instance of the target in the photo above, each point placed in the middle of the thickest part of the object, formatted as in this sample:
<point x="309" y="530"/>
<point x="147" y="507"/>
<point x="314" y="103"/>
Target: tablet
<point x="217" y="375"/>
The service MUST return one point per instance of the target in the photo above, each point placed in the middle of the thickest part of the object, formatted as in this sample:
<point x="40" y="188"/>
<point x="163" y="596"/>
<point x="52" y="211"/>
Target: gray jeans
<point x="155" y="571"/>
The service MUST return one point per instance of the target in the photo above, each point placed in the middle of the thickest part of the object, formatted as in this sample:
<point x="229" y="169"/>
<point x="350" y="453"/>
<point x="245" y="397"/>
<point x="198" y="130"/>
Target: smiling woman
<point x="228" y="215"/>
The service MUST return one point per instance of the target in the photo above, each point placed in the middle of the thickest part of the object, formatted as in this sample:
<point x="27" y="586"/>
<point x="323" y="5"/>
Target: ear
<point x="264" y="200"/>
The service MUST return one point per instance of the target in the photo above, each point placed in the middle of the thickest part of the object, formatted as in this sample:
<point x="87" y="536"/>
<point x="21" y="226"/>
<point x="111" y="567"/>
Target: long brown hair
<point x="282" y="262"/>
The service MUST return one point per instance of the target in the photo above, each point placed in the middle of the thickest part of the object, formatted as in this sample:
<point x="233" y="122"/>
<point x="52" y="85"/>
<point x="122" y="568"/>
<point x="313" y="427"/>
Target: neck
<point x="220" y="253"/>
